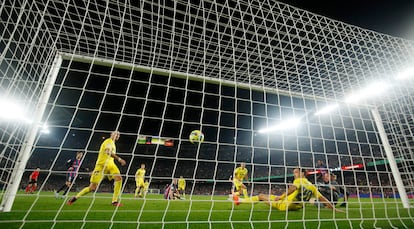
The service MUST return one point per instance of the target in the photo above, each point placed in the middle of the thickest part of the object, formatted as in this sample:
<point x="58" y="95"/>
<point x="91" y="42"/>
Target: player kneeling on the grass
<point x="240" y="174"/>
<point x="105" y="166"/>
<point x="296" y="196"/>
<point x="171" y="191"/>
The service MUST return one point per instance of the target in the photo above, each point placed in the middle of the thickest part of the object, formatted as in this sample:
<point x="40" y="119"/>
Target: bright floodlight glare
<point x="408" y="73"/>
<point x="370" y="91"/>
<point x="10" y="110"/>
<point x="374" y="89"/>
<point x="44" y="129"/>
<point x="291" y="123"/>
<point x="327" y="109"/>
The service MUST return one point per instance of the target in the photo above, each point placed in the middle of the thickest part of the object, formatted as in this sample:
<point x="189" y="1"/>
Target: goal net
<point x="268" y="84"/>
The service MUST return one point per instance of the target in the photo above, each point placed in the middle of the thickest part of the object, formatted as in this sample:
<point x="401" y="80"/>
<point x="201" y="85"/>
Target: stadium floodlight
<point x="291" y="123"/>
<point x="11" y="110"/>
<point x="327" y="109"/>
<point x="408" y="73"/>
<point x="44" y="129"/>
<point x="370" y="91"/>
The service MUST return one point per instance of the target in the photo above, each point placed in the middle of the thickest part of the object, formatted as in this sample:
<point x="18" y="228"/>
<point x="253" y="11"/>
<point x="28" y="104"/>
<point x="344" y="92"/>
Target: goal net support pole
<point x="391" y="159"/>
<point x="27" y="145"/>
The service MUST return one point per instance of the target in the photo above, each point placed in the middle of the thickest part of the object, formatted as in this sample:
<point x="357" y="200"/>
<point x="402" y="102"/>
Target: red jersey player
<point x="31" y="187"/>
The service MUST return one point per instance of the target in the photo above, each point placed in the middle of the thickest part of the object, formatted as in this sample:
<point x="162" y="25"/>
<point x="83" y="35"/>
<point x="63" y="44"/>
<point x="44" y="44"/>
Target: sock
<point x="27" y="188"/>
<point x="117" y="190"/>
<point x="66" y="190"/>
<point x="33" y="188"/>
<point x="245" y="193"/>
<point x="61" y="188"/>
<point x="236" y="193"/>
<point x="83" y="192"/>
<point x="136" y="191"/>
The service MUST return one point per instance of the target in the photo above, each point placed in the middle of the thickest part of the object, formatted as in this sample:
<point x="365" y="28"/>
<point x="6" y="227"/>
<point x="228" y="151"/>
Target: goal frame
<point x="29" y="140"/>
<point x="27" y="147"/>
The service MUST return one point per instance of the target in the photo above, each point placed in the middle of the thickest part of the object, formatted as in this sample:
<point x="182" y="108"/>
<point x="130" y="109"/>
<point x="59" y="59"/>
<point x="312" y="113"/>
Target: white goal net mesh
<point x="73" y="71"/>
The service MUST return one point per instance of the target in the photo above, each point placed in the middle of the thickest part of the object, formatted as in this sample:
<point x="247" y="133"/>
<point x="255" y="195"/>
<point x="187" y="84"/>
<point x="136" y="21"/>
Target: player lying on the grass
<point x="105" y="166"/>
<point x="239" y="175"/>
<point x="296" y="196"/>
<point x="171" y="191"/>
<point x="331" y="190"/>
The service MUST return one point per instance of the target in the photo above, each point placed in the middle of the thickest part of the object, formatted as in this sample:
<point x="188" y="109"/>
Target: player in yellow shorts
<point x="181" y="186"/>
<point x="105" y="167"/>
<point x="146" y="187"/>
<point x="139" y="180"/>
<point x="239" y="175"/>
<point x="300" y="192"/>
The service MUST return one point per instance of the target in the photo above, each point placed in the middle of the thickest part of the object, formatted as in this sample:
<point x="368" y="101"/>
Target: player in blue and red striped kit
<point x="171" y="191"/>
<point x="72" y="172"/>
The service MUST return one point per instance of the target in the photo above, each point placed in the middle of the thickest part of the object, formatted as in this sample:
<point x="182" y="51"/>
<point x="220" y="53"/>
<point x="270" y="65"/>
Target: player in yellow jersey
<point x="139" y="180"/>
<point x="181" y="186"/>
<point x="239" y="175"/>
<point x="146" y="187"/>
<point x="105" y="167"/>
<point x="296" y="196"/>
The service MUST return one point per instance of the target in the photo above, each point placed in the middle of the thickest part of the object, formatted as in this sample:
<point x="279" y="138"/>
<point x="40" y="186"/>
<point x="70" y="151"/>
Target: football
<point x="196" y="136"/>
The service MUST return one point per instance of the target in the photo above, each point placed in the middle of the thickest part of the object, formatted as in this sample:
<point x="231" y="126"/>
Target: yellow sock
<point x="236" y="193"/>
<point x="245" y="193"/>
<point x="83" y="192"/>
<point x="117" y="190"/>
<point x="136" y="191"/>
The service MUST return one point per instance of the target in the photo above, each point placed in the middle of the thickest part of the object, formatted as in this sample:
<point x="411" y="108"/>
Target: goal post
<point x="391" y="159"/>
<point x="29" y="141"/>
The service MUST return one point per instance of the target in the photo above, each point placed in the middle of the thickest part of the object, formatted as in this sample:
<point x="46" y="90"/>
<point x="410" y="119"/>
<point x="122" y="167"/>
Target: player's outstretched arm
<point x="119" y="159"/>
<point x="291" y="189"/>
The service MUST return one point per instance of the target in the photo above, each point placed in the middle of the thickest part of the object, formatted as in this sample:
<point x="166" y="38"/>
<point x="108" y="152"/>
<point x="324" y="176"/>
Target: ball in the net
<point x="196" y="136"/>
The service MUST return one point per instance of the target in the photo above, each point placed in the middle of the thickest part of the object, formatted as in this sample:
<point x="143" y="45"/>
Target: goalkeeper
<point x="331" y="190"/>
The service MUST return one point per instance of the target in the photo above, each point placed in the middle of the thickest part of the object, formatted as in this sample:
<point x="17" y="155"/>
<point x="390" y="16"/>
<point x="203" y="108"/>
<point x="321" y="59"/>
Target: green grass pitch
<point x="45" y="211"/>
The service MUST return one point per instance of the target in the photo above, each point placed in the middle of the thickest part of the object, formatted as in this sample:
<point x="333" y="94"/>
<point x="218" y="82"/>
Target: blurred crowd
<point x="263" y="180"/>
